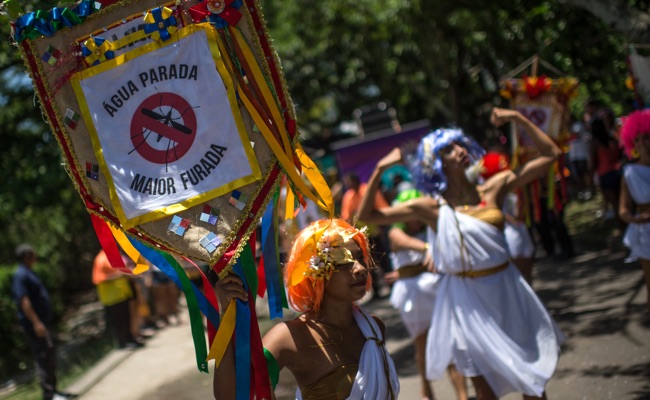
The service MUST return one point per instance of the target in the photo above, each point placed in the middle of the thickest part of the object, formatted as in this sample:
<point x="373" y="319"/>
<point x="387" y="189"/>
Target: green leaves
<point x="436" y="60"/>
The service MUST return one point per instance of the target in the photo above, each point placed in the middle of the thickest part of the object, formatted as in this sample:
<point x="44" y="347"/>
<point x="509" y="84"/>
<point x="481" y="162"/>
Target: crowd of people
<point x="449" y="243"/>
<point x="460" y="260"/>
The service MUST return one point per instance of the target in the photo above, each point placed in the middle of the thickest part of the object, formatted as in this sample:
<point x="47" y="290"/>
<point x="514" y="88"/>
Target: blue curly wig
<point x="426" y="165"/>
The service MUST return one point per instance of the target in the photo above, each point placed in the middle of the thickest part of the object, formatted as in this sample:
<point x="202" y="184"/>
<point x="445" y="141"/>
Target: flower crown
<point x="320" y="255"/>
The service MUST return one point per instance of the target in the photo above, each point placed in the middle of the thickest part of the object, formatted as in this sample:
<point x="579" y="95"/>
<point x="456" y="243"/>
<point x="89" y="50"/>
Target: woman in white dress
<point x="486" y="320"/>
<point x="634" y="205"/>
<point x="414" y="290"/>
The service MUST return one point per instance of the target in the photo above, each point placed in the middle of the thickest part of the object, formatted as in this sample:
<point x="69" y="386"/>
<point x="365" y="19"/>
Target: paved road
<point x="598" y="301"/>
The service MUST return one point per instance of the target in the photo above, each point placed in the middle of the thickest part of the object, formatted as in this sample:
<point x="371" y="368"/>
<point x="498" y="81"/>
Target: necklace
<point x="325" y="331"/>
<point x="322" y="337"/>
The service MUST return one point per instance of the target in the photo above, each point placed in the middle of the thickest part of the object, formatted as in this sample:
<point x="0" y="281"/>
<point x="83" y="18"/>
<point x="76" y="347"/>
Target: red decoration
<point x="536" y="85"/>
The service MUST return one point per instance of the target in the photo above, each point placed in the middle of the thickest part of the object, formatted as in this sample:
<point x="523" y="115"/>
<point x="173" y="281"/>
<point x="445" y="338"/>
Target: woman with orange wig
<point x="334" y="349"/>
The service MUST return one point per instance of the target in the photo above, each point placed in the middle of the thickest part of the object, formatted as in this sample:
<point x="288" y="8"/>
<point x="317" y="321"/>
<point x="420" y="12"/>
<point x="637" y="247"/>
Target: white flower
<point x="314" y="262"/>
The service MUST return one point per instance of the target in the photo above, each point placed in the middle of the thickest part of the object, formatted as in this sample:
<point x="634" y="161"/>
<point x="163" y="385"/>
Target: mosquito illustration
<point x="164" y="114"/>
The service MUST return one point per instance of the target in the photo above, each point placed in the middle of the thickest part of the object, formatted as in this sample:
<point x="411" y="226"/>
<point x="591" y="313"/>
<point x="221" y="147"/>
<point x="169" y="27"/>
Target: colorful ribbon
<point x="46" y="23"/>
<point x="195" y="299"/>
<point x="161" y="23"/>
<point x="96" y="50"/>
<point x="224" y="334"/>
<point x="229" y="16"/>
<point x="243" y="340"/>
<point x="107" y="242"/>
<point x="140" y="263"/>
<point x="271" y="260"/>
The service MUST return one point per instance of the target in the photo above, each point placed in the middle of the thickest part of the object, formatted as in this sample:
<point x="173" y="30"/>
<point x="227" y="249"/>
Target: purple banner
<point x="361" y="155"/>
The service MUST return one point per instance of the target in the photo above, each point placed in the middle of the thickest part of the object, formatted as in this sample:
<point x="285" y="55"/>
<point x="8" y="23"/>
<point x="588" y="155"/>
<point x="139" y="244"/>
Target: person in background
<point x="115" y="291"/>
<point x="35" y="316"/>
<point x="578" y="158"/>
<point x="606" y="156"/>
<point x="165" y="298"/>
<point x="635" y="191"/>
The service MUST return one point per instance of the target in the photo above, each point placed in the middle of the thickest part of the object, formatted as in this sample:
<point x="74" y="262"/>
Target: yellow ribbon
<point x="97" y="52"/>
<point x="316" y="178"/>
<point x="266" y="92"/>
<point x="128" y="39"/>
<point x="224" y="334"/>
<point x="141" y="264"/>
<point x="289" y="203"/>
<point x="165" y="14"/>
<point x="285" y="158"/>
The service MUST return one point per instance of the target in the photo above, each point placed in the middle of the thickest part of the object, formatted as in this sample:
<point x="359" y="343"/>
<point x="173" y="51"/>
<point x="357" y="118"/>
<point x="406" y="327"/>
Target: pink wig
<point x="635" y="124"/>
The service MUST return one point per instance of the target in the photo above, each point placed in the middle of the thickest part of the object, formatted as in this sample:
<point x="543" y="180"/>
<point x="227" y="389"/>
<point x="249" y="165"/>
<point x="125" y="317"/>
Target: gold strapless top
<point x="491" y="215"/>
<point x="336" y="385"/>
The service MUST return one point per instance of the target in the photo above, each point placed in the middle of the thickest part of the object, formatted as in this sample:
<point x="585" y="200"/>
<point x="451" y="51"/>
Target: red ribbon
<point x="230" y="14"/>
<point x="108" y="243"/>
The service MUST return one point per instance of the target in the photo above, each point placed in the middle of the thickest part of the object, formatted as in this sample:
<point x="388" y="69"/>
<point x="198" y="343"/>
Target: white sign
<point x="165" y="129"/>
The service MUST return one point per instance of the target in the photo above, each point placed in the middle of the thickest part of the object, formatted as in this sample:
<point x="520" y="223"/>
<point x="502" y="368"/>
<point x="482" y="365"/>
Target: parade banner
<point x="173" y="118"/>
<point x="166" y="132"/>
<point x="544" y="102"/>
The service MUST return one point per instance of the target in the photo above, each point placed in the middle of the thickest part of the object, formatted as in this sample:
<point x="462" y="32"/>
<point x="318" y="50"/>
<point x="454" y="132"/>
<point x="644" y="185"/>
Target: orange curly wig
<point x="307" y="294"/>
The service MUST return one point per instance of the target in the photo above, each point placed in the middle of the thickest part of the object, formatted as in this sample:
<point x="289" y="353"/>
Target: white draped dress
<point x="520" y="244"/>
<point x="413" y="296"/>
<point x="377" y="377"/>
<point x="494" y="326"/>
<point x="637" y="236"/>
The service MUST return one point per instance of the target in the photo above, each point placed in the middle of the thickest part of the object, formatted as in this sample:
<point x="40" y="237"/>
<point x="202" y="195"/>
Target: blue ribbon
<point x="85" y="51"/>
<point x="271" y="261"/>
<point x="159" y="261"/>
<point x="83" y="9"/>
<point x="243" y="340"/>
<point x="158" y="18"/>
<point x="47" y="23"/>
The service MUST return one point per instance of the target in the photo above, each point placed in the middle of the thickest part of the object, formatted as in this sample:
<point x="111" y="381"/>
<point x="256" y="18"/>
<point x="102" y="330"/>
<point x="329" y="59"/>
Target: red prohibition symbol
<point x="163" y="128"/>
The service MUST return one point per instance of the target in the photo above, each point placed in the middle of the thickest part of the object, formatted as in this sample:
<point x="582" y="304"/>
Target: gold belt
<point x="410" y="271"/>
<point x="643" y="208"/>
<point x="482" y="272"/>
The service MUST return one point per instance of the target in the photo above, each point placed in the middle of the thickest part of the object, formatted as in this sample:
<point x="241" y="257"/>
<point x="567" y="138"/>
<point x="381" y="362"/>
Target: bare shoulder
<point x="280" y="342"/>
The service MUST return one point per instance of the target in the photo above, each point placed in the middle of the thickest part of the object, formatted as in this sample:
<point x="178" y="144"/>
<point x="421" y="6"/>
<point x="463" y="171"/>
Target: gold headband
<point x="322" y="253"/>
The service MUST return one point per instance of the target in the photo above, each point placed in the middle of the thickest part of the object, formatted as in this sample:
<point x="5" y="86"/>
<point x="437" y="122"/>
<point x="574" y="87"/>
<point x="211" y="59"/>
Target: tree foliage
<point x="38" y="203"/>
<point x="438" y="60"/>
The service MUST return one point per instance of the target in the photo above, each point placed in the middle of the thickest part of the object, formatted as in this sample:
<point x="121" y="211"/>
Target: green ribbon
<point x="248" y="265"/>
<point x="196" y="321"/>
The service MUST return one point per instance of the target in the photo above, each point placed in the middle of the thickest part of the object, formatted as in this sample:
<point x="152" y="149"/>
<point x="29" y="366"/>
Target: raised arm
<point x="536" y="167"/>
<point x="421" y="208"/>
